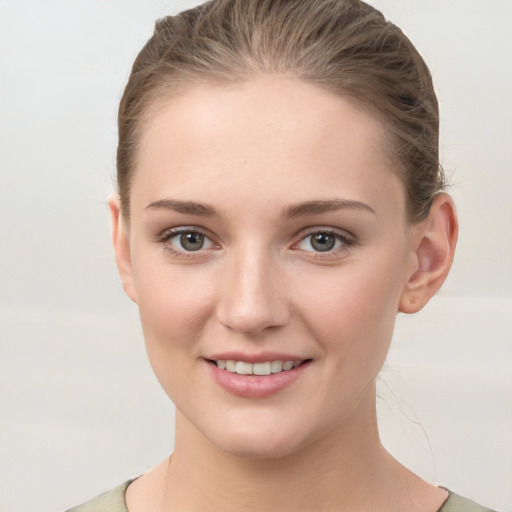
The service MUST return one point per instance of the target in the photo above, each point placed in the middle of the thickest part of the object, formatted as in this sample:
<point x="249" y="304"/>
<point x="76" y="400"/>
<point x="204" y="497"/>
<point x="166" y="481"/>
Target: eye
<point x="191" y="241"/>
<point x="186" y="240"/>
<point x="323" y="241"/>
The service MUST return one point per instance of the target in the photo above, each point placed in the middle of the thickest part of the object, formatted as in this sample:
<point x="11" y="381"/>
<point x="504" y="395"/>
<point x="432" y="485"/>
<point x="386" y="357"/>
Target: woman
<point x="280" y="200"/>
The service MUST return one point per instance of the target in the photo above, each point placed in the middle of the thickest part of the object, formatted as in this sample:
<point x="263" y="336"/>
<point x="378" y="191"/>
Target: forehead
<point x="266" y="135"/>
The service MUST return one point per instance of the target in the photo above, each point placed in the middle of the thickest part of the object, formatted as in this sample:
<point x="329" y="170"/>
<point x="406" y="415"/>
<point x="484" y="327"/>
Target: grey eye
<point x="191" y="241"/>
<point x="187" y="240"/>
<point x="322" y="242"/>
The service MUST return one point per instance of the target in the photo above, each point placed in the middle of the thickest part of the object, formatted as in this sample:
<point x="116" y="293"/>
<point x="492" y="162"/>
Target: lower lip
<point x="256" y="386"/>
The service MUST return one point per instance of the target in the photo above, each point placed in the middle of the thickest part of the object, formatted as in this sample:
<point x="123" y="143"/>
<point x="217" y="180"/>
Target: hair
<point x="344" y="46"/>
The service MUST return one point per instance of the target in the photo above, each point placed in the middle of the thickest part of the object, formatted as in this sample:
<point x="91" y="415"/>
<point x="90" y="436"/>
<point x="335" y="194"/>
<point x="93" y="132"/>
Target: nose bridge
<point x="252" y="299"/>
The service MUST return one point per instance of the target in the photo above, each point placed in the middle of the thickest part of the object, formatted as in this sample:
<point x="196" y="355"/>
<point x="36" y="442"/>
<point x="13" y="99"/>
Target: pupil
<point x="192" y="241"/>
<point x="323" y="242"/>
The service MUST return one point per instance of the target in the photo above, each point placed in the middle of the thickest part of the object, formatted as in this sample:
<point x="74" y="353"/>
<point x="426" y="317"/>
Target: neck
<point x="346" y="469"/>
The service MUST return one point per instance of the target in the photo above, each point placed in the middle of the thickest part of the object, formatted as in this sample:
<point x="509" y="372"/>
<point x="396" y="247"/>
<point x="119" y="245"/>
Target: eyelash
<point x="346" y="241"/>
<point x="168" y="235"/>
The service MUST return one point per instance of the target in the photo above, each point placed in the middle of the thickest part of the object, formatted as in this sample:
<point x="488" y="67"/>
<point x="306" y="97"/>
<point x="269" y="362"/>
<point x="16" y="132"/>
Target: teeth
<point x="287" y="365"/>
<point x="261" y="369"/>
<point x="266" y="368"/>
<point x="243" y="368"/>
<point x="276" y="366"/>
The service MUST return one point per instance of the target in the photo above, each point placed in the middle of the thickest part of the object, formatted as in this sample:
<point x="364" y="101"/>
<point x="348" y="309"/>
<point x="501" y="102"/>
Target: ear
<point x="435" y="242"/>
<point x="121" y="242"/>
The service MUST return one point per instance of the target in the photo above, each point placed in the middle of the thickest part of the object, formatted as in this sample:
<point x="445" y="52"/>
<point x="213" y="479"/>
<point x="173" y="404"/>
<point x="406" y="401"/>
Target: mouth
<point x="257" y="375"/>
<point x="256" y="379"/>
<point x="260" y="368"/>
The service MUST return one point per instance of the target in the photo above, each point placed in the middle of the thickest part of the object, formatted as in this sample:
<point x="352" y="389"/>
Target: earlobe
<point x="121" y="242"/>
<point x="435" y="248"/>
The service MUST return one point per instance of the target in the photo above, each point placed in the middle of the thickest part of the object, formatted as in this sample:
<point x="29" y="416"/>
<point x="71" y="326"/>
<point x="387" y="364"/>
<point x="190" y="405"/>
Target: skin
<point x="250" y="152"/>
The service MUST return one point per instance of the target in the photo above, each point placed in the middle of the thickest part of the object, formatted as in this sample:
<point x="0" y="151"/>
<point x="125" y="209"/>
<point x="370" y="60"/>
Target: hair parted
<point x="345" y="46"/>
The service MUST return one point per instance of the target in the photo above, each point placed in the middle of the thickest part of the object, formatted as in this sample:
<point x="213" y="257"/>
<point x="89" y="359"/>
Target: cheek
<point x="174" y="309"/>
<point x="174" y="305"/>
<point x="352" y="311"/>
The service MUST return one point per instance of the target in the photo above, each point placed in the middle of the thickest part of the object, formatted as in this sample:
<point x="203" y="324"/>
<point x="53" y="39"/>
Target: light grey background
<point x="80" y="410"/>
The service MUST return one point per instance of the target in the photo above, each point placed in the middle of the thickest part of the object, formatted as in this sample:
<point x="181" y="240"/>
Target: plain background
<point x="80" y="410"/>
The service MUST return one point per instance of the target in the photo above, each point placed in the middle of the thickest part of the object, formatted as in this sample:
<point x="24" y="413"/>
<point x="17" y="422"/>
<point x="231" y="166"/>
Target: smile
<point x="265" y="368"/>
<point x="259" y="379"/>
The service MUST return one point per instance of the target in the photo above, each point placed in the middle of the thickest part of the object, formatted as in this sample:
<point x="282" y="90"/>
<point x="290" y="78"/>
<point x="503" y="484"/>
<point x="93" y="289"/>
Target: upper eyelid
<point x="304" y="233"/>
<point x="170" y="232"/>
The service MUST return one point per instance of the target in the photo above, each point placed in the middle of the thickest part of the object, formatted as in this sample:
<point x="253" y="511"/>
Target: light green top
<point x="113" y="501"/>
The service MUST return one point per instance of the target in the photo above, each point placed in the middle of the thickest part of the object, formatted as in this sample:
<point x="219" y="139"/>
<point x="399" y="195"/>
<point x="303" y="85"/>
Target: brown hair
<point x="345" y="46"/>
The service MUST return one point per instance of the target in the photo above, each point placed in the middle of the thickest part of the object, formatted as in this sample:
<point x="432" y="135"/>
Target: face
<point x="266" y="228"/>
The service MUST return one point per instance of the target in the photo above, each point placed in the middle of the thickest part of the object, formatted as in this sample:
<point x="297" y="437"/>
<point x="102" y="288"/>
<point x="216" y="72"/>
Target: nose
<point x="253" y="298"/>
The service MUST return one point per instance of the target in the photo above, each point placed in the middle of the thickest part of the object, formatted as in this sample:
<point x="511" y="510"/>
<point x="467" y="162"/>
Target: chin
<point x="256" y="447"/>
<point x="257" y="440"/>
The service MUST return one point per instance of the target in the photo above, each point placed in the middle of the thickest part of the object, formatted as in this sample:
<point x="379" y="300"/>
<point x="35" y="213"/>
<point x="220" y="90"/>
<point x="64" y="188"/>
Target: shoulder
<point x="114" y="501"/>
<point x="110" y="501"/>
<point x="456" y="503"/>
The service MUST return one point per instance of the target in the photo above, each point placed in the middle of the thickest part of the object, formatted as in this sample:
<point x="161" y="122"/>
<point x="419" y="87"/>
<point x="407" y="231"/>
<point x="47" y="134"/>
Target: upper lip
<point x="260" y="357"/>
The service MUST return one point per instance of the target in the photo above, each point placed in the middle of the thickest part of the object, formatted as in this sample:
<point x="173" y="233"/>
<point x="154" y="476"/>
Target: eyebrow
<point x="186" y="207"/>
<point x="296" y="210"/>
<point x="324" y="206"/>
